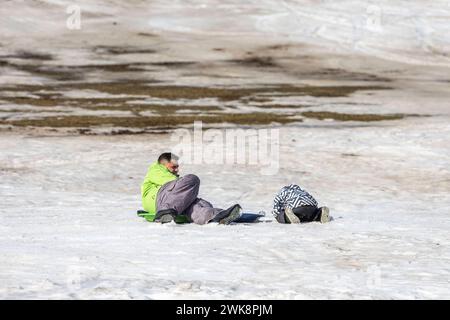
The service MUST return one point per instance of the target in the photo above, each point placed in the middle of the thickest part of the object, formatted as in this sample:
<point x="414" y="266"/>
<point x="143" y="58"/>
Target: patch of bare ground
<point x="16" y="170"/>
<point x="322" y="115"/>
<point x="172" y="63"/>
<point x="281" y="106"/>
<point x="349" y="155"/>
<point x="161" y="109"/>
<point x="190" y="92"/>
<point x="170" y="121"/>
<point x="30" y="111"/>
<point x="105" y="104"/>
<point x="259" y="62"/>
<point x="342" y="74"/>
<point x="147" y="34"/>
<point x="58" y="73"/>
<point x="118" y="50"/>
<point x="78" y="72"/>
<point x="168" y="115"/>
<point x="29" y="55"/>
<point x="59" y="100"/>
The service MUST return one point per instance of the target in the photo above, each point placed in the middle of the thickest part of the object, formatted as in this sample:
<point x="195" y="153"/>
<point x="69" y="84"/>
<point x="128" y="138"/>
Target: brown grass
<point x="281" y="106"/>
<point x="189" y="92"/>
<point x="321" y="115"/>
<point x="157" y="121"/>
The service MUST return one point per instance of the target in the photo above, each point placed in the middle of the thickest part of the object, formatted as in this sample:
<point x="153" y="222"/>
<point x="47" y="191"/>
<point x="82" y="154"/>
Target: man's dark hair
<point x="167" y="156"/>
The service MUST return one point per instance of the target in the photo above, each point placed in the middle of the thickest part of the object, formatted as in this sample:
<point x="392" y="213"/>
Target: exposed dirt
<point x="156" y="121"/>
<point x="322" y="115"/>
<point x="194" y="92"/>
<point x="179" y="104"/>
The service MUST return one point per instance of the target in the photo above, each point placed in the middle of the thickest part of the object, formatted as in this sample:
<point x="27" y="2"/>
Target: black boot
<point x="307" y="213"/>
<point x="228" y="215"/>
<point x="165" y="216"/>
<point x="324" y="215"/>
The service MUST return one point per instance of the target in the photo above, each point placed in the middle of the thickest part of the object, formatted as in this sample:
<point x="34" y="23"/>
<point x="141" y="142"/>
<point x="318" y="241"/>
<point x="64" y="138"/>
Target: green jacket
<point x="157" y="176"/>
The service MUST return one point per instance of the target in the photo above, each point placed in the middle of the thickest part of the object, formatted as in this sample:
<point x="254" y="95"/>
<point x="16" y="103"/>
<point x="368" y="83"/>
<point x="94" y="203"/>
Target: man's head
<point x="170" y="161"/>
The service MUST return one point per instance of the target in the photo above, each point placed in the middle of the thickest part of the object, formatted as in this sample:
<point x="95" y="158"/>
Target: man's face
<point x="172" y="166"/>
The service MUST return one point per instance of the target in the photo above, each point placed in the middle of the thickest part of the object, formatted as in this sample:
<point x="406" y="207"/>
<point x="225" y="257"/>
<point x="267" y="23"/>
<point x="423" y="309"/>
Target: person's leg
<point x="228" y="215"/>
<point x="324" y="215"/>
<point x="307" y="213"/>
<point x="281" y="218"/>
<point x="290" y="216"/>
<point x="201" y="211"/>
<point x="178" y="194"/>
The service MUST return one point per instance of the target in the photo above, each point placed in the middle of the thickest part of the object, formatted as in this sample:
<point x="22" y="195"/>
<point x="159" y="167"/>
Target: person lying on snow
<point x="168" y="196"/>
<point x="292" y="204"/>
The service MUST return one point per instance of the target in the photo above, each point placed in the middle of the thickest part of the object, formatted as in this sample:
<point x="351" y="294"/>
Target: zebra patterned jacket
<point x="292" y="196"/>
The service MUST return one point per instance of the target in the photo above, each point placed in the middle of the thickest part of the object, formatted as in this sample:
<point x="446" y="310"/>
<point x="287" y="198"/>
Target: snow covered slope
<point x="406" y="31"/>
<point x="68" y="227"/>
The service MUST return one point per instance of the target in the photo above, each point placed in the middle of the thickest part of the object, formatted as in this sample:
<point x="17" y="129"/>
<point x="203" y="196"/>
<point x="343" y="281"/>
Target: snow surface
<point x="69" y="230"/>
<point x="68" y="227"/>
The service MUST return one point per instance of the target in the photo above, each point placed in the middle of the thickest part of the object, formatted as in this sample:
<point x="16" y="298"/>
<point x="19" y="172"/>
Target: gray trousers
<point x="181" y="195"/>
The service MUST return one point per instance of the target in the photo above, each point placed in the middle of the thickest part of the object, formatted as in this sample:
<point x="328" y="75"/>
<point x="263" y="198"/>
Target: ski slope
<point x="68" y="228"/>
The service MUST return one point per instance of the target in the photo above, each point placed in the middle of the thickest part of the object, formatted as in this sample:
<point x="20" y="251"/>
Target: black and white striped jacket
<point x="292" y="196"/>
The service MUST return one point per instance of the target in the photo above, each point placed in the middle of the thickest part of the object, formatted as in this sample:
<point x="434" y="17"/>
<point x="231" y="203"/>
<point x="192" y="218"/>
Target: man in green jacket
<point x="167" y="196"/>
